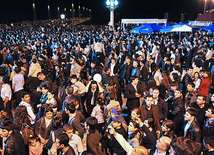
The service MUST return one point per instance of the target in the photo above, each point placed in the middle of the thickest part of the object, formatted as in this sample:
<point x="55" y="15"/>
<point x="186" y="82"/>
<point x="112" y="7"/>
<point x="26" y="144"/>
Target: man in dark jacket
<point x="75" y="118"/>
<point x="162" y="107"/>
<point x="176" y="110"/>
<point x="62" y="143"/>
<point x="133" y="92"/>
<point x="191" y="128"/>
<point x="187" y="79"/>
<point x="14" y="143"/>
<point x="201" y="106"/>
<point x="150" y="110"/>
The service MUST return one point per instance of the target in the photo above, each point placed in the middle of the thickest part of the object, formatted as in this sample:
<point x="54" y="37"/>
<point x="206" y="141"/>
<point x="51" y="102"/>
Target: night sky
<point x="19" y="10"/>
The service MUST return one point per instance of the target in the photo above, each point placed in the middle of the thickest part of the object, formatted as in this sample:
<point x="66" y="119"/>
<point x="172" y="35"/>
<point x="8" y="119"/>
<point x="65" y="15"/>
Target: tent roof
<point x="207" y="16"/>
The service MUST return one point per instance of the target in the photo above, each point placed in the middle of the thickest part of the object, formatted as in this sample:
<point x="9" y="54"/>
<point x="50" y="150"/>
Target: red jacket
<point x="204" y="86"/>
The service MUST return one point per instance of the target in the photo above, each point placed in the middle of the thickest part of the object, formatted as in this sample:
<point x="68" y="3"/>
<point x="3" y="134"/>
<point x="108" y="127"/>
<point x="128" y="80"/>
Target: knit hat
<point x="114" y="111"/>
<point x="117" y="118"/>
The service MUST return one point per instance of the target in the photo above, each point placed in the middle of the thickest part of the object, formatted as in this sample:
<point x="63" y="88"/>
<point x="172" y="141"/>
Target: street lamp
<point x="65" y="12"/>
<point x="49" y="14"/>
<point x="73" y="11"/>
<point x="34" y="11"/>
<point x="79" y="11"/>
<point x="111" y="5"/>
<point x="58" y="12"/>
<point x="205" y="4"/>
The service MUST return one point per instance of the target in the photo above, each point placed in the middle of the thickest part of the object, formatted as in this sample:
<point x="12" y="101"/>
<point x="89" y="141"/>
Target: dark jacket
<point x="40" y="128"/>
<point x="92" y="141"/>
<point x="201" y="113"/>
<point x="143" y="74"/>
<point x="155" y="114"/>
<point x="194" y="132"/>
<point x="70" y="151"/>
<point x="14" y="144"/>
<point x="132" y="100"/>
<point x="162" y="109"/>
<point x="76" y="122"/>
<point x="176" y="110"/>
<point x="56" y="133"/>
<point x="208" y="129"/>
<point x="114" y="145"/>
<point x="150" y="138"/>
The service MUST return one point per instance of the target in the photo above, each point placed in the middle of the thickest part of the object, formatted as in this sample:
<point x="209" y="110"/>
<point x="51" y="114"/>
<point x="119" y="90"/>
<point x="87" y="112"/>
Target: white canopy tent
<point x="142" y="21"/>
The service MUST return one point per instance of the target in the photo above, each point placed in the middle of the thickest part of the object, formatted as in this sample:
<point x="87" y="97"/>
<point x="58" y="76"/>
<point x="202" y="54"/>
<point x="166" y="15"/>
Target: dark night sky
<point x="19" y="10"/>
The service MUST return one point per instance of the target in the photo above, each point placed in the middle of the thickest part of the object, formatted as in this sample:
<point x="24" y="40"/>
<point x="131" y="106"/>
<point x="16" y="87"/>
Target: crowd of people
<point x="155" y="95"/>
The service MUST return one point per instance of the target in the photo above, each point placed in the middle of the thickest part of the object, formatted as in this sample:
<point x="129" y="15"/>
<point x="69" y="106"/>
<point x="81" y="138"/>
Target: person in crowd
<point x="162" y="107"/>
<point x="35" y="146"/>
<point x="208" y="127"/>
<point x="6" y="94"/>
<point x="191" y="128"/>
<point x="168" y="129"/>
<point x="201" y="106"/>
<point x="134" y="134"/>
<point x="75" y="118"/>
<point x="42" y="127"/>
<point x="149" y="110"/>
<point x="74" y="140"/>
<point x="34" y="69"/>
<point x="18" y="84"/>
<point x="14" y="143"/>
<point x="209" y="144"/>
<point x="112" y="104"/>
<point x="204" y="84"/>
<point x="92" y="89"/>
<point x="52" y="101"/>
<point x="55" y="130"/>
<point x="97" y="112"/>
<point x="62" y="144"/>
<point x="44" y="81"/>
<point x="43" y="99"/>
<point x="176" y="110"/>
<point x="126" y="146"/>
<point x="25" y="96"/>
<point x="183" y="145"/>
<point x="114" y="146"/>
<point x="133" y="93"/>
<point x="190" y="96"/>
<point x="187" y="79"/>
<point x="197" y="80"/>
<point x="75" y="68"/>
<point x="93" y="138"/>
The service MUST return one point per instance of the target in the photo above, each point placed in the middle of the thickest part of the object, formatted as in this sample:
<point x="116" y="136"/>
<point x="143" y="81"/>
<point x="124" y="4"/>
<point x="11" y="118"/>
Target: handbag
<point x="53" y="150"/>
<point x="26" y="132"/>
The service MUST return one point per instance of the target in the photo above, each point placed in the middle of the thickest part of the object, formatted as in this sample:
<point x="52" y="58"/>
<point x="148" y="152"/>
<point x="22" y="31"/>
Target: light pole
<point x="79" y="11"/>
<point x="86" y="12"/>
<point x="83" y="12"/>
<point x="49" y="14"/>
<point x="34" y="11"/>
<point x="58" y="12"/>
<point x="111" y="5"/>
<point x="205" y="4"/>
<point x="65" y="12"/>
<point x="73" y="11"/>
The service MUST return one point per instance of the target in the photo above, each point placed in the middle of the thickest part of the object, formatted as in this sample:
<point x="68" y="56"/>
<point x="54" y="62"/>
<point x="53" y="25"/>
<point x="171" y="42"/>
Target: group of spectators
<point x="155" y="96"/>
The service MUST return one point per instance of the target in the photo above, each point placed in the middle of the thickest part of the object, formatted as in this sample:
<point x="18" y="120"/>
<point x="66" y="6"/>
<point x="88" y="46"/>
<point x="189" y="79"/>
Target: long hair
<point x="138" y="131"/>
<point x="92" y="123"/>
<point x="171" y="126"/>
<point x="20" y="115"/>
